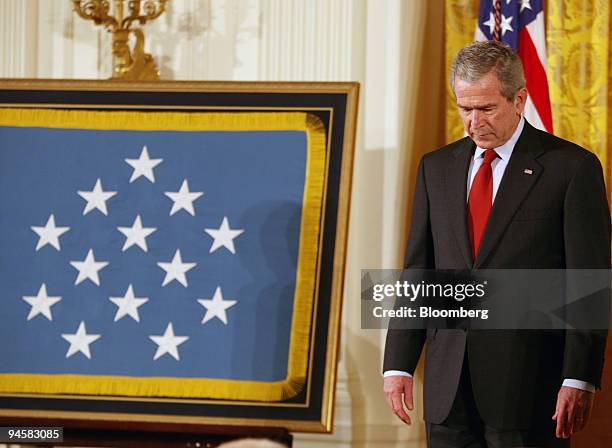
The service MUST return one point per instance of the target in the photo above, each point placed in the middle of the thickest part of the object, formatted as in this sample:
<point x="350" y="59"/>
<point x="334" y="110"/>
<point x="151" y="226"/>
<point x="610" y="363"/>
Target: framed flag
<point x="173" y="252"/>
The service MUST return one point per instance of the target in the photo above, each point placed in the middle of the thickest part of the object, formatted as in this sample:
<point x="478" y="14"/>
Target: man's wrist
<point x="388" y="373"/>
<point x="578" y="384"/>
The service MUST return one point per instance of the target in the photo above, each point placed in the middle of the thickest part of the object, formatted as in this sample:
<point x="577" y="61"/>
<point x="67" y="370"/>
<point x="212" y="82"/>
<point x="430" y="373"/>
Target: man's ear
<point x="520" y="99"/>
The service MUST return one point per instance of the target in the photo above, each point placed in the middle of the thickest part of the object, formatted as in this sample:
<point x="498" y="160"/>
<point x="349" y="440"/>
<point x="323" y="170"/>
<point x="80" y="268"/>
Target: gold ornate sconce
<point x="127" y="64"/>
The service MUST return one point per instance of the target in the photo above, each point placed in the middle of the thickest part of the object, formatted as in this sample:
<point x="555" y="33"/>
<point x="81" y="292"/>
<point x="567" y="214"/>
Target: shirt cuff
<point x="395" y="373"/>
<point x="576" y="384"/>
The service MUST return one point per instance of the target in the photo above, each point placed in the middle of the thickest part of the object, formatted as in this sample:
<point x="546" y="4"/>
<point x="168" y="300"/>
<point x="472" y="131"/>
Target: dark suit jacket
<point x="555" y="218"/>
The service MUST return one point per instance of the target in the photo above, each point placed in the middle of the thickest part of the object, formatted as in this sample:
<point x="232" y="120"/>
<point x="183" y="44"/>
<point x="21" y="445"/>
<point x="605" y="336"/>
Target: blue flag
<point x="149" y="254"/>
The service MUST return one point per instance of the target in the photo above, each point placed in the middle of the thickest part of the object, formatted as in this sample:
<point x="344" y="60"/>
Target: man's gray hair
<point x="478" y="58"/>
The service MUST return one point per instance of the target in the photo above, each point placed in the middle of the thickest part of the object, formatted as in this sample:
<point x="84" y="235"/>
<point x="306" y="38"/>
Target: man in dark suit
<point x="508" y="196"/>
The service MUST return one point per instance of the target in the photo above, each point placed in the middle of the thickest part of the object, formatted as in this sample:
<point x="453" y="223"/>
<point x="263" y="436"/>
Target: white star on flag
<point x="41" y="303"/>
<point x="49" y="234"/>
<point x="490" y="23"/>
<point x="176" y="269"/>
<point x="168" y="343"/>
<point x="143" y="166"/>
<point x="96" y="198"/>
<point x="136" y="234"/>
<point x="223" y="236"/>
<point x="505" y="24"/>
<point x="183" y="199"/>
<point x="525" y="4"/>
<point x="128" y="305"/>
<point x="88" y="268"/>
<point x="79" y="341"/>
<point x="216" y="307"/>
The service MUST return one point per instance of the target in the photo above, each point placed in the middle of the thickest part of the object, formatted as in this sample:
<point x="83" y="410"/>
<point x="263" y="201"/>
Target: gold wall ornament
<point x="127" y="63"/>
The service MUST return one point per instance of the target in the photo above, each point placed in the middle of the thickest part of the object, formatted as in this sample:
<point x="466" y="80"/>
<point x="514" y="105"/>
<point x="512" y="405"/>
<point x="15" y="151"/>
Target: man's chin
<point x="483" y="142"/>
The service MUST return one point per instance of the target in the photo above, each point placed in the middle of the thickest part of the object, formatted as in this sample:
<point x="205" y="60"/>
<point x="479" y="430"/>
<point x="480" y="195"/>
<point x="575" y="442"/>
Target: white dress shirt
<point x="498" y="166"/>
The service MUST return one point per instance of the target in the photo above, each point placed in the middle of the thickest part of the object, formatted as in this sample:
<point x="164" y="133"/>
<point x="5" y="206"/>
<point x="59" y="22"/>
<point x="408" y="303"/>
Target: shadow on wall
<point x="426" y="132"/>
<point x="179" y="29"/>
<point x="274" y="260"/>
<point x="362" y="391"/>
<point x="202" y="43"/>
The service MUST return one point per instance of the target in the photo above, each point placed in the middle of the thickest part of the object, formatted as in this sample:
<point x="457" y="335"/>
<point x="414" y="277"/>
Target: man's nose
<point x="476" y="118"/>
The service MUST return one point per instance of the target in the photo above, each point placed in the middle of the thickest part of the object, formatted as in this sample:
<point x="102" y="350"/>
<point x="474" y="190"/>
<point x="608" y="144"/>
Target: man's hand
<point x="398" y="390"/>
<point x="573" y="410"/>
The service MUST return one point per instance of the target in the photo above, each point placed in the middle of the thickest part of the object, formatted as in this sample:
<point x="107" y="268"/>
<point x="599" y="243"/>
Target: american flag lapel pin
<point x="528" y="171"/>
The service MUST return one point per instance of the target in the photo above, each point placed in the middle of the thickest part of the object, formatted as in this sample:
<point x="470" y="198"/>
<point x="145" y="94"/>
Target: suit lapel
<point x="456" y="192"/>
<point x="513" y="189"/>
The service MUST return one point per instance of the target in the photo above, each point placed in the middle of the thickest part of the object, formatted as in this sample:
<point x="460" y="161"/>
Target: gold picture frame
<point x="328" y="112"/>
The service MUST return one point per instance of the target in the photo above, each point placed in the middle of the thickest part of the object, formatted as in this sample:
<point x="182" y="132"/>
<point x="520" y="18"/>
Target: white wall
<point x="377" y="43"/>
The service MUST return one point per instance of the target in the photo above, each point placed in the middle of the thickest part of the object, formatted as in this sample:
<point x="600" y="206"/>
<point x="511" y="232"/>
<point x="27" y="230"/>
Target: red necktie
<point x="480" y="200"/>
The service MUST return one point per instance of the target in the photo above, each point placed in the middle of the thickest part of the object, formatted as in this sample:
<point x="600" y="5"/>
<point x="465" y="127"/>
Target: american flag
<point x="148" y="253"/>
<point x="520" y="24"/>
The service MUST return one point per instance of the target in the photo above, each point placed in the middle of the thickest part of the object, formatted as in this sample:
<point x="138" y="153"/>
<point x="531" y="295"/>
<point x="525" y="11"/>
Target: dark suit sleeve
<point x="587" y="246"/>
<point x="403" y="347"/>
